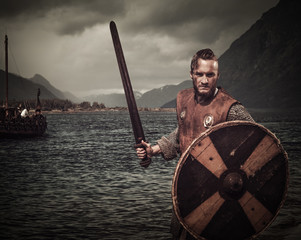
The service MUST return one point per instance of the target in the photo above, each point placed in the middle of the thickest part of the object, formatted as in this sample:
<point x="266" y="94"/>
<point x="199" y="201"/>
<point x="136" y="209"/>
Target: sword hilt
<point x="146" y="161"/>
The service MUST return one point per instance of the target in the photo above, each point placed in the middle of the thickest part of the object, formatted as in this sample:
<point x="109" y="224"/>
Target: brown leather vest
<point x="195" y="118"/>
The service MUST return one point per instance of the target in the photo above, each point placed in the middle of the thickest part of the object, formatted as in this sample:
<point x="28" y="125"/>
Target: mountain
<point x="157" y="97"/>
<point x="20" y="88"/>
<point x="111" y="100"/>
<point x="170" y="104"/>
<point x="153" y="98"/>
<point x="261" y="69"/>
<point x="38" y="79"/>
<point x="72" y="98"/>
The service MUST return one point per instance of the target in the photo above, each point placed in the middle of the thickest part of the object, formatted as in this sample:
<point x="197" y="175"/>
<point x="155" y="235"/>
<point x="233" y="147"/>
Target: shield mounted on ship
<point x="231" y="182"/>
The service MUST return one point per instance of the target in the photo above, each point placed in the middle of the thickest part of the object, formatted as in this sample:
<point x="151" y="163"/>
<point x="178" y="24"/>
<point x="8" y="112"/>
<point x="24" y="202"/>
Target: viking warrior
<point x="198" y="109"/>
<point x="230" y="180"/>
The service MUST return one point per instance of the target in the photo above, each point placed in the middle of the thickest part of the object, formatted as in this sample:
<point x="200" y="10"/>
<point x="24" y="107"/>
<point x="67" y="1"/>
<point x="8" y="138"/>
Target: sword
<point x="130" y="98"/>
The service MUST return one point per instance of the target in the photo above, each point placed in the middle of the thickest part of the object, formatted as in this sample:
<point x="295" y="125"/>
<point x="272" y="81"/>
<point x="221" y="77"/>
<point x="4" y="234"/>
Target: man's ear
<point x="218" y="75"/>
<point x="190" y="73"/>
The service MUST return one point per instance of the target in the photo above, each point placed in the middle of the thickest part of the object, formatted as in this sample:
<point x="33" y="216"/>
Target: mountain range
<point x="21" y="89"/>
<point x="260" y="69"/>
<point x="152" y="99"/>
<point x="38" y="79"/>
<point x="111" y="100"/>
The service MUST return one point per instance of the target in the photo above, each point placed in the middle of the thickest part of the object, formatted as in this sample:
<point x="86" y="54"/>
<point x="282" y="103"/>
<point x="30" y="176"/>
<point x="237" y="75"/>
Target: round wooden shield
<point x="231" y="182"/>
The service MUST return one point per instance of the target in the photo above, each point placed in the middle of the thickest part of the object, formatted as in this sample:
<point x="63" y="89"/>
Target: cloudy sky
<point x="69" y="43"/>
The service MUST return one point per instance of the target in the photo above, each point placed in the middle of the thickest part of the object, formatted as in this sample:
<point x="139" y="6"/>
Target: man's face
<point x="205" y="77"/>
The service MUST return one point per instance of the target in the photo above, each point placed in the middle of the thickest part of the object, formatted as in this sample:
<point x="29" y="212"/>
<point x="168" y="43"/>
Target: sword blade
<point x="128" y="90"/>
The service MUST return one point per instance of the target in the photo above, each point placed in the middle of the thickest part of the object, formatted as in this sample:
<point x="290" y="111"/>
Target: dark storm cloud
<point x="183" y="19"/>
<point x="69" y="16"/>
<point x="31" y="8"/>
<point x="70" y="44"/>
<point x="195" y="18"/>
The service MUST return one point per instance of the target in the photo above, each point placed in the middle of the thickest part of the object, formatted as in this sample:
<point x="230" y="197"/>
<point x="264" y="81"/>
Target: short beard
<point x="203" y="97"/>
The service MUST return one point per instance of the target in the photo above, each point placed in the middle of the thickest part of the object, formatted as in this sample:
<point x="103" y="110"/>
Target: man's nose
<point x="204" y="80"/>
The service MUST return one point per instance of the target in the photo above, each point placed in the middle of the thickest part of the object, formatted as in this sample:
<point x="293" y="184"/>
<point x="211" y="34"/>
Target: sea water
<point x="82" y="180"/>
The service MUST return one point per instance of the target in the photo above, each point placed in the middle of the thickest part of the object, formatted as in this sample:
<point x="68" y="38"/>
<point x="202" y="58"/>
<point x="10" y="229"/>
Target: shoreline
<point x="115" y="109"/>
<point x="296" y="111"/>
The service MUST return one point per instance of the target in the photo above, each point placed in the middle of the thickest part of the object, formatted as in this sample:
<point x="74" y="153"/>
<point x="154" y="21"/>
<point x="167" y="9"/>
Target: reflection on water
<point x="83" y="181"/>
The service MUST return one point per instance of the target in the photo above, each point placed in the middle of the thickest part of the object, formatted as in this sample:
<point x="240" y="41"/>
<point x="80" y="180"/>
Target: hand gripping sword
<point x="130" y="98"/>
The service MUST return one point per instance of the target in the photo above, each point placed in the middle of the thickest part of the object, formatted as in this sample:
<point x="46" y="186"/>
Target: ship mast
<point x="6" y="71"/>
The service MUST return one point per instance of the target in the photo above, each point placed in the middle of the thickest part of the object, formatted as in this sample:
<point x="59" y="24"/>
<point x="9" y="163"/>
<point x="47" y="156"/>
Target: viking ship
<point x="12" y="124"/>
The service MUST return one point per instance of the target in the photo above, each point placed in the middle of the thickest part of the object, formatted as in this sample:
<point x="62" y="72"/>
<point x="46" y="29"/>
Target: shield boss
<point x="231" y="182"/>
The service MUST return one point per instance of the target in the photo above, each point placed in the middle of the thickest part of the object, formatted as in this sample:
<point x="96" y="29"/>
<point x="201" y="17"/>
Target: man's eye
<point x="199" y="74"/>
<point x="210" y="75"/>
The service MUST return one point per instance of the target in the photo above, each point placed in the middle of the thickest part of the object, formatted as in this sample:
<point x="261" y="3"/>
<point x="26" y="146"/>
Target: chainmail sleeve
<point x="238" y="112"/>
<point x="169" y="145"/>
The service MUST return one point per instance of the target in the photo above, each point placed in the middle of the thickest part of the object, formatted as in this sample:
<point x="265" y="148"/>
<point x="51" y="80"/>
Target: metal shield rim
<point x="201" y="137"/>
